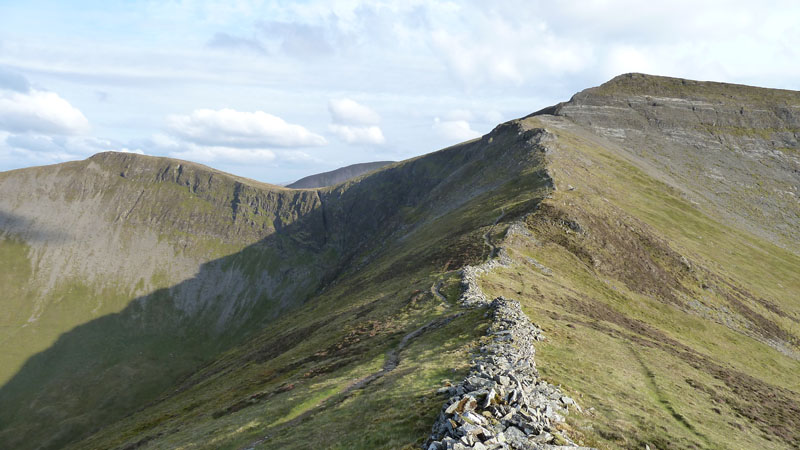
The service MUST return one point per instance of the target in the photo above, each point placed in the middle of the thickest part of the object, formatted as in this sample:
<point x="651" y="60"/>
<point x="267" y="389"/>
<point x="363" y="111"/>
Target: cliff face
<point x="648" y="228"/>
<point x="730" y="147"/>
<point x="337" y="176"/>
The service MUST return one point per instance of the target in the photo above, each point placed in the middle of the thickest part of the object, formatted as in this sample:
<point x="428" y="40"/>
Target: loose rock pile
<point x="501" y="404"/>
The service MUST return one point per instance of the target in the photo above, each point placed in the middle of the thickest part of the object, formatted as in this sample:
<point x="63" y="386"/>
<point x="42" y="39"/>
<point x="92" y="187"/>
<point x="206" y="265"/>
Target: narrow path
<point x="664" y="401"/>
<point x="392" y="361"/>
<point x="487" y="237"/>
<point x="436" y="291"/>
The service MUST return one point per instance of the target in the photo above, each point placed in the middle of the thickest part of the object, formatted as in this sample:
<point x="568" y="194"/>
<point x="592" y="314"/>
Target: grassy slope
<point x="658" y="315"/>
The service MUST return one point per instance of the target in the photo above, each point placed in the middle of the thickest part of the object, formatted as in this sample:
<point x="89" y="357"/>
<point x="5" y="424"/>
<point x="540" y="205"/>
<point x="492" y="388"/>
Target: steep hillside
<point x="217" y="312"/>
<point x="337" y="176"/>
<point x="730" y="148"/>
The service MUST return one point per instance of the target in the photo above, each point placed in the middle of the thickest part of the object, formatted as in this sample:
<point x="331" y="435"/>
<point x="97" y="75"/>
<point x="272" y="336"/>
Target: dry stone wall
<point x="502" y="403"/>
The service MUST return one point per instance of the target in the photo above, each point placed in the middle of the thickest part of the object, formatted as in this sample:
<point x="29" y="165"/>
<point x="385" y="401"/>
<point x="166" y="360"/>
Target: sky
<point x="275" y="90"/>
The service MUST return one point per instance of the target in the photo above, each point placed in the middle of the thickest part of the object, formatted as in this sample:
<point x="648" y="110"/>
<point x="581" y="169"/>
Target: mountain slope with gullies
<point x="346" y="317"/>
<point x="730" y="148"/>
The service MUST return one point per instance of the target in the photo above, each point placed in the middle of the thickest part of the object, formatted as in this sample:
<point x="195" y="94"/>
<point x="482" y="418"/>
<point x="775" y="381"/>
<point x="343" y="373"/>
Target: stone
<point x="543" y="438"/>
<point x="515" y="436"/>
<point x="470" y="416"/>
<point x="490" y="398"/>
<point x="452" y="408"/>
<point x="469" y="429"/>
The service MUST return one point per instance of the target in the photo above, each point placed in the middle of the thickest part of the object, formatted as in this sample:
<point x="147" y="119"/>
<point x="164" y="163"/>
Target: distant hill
<point x="337" y="176"/>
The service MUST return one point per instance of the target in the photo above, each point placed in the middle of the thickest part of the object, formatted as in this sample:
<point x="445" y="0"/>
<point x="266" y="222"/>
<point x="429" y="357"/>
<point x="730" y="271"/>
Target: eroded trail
<point x="393" y="355"/>
<point x="487" y="237"/>
<point x="436" y="291"/>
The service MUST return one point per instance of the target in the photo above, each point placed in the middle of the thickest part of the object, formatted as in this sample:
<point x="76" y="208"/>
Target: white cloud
<point x="369" y="135"/>
<point x="219" y="154"/>
<point x="350" y="112"/>
<point x="355" y="123"/>
<point x="137" y="151"/>
<point x="454" y="130"/>
<point x="459" y="114"/>
<point x="491" y="116"/>
<point x="296" y="156"/>
<point x="298" y="40"/>
<point x="39" y="112"/>
<point x="222" y="155"/>
<point x="228" y="42"/>
<point x="231" y="128"/>
<point x="410" y="61"/>
<point x="45" y="149"/>
<point x="75" y="145"/>
<point x="625" y="59"/>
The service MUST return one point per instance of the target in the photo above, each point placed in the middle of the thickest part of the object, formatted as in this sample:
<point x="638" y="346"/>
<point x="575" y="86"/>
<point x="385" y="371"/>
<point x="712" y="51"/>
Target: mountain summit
<point x="620" y="270"/>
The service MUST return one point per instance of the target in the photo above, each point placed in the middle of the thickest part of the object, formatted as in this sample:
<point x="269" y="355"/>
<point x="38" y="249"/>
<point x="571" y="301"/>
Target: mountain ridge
<point x="630" y="258"/>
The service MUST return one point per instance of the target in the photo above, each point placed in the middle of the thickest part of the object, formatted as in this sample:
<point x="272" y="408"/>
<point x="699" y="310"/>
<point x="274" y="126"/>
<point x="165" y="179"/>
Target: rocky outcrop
<point x="502" y="403"/>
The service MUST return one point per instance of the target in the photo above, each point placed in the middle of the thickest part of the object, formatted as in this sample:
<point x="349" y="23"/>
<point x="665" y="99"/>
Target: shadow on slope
<point x="34" y="232"/>
<point x="111" y="366"/>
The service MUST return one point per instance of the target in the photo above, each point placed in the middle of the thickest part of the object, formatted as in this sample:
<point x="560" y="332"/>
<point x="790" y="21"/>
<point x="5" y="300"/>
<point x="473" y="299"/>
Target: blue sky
<point x="277" y="90"/>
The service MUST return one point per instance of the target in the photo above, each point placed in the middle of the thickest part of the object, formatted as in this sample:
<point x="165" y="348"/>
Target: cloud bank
<point x="231" y="128"/>
<point x="355" y="123"/>
<point x="39" y="112"/>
